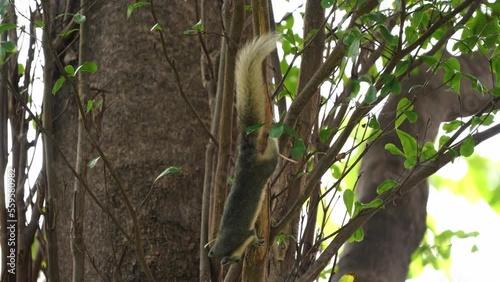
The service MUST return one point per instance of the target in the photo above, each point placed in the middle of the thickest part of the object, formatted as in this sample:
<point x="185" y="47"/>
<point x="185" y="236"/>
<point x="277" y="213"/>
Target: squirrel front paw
<point x="259" y="242"/>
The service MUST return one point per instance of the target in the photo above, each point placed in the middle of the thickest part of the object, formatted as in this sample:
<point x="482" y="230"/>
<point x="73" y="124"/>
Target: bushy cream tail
<point x="252" y="97"/>
<point x="252" y="100"/>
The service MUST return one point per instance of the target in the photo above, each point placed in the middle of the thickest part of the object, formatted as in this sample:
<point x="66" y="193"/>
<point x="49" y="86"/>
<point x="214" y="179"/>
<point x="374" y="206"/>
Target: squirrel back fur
<point x="257" y="158"/>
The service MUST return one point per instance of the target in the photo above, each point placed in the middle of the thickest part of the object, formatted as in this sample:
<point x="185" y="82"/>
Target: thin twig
<point x="178" y="79"/>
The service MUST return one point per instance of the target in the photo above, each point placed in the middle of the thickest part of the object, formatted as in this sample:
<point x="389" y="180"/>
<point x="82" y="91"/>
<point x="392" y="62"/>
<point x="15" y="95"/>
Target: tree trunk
<point x="143" y="126"/>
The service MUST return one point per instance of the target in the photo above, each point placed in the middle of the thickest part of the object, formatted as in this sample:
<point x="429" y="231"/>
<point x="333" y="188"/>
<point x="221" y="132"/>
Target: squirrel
<point x="257" y="158"/>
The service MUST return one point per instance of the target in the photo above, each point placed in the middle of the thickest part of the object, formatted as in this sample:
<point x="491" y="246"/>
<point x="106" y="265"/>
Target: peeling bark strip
<point x="395" y="232"/>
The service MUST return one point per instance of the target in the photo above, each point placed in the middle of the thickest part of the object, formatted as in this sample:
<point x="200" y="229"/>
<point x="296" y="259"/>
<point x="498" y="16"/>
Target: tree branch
<point x="425" y="170"/>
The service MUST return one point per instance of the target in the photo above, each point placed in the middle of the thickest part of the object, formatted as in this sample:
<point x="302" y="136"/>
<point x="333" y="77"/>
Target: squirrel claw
<point x="259" y="242"/>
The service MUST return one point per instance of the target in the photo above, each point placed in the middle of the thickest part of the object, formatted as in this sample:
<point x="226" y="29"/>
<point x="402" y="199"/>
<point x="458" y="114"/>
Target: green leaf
<point x="79" y="18"/>
<point x="62" y="15"/>
<point x="7" y="26"/>
<point x="387" y="35"/>
<point x="325" y="133"/>
<point x="70" y="70"/>
<point x="375" y="203"/>
<point x="377" y="17"/>
<point x="292" y="79"/>
<point x="408" y="142"/>
<point x="349" y="277"/>
<point x="410" y="162"/>
<point x="90" y="103"/>
<point x="401" y="68"/>
<point x="392" y="85"/>
<point x="373" y="122"/>
<point x="462" y="235"/>
<point x="156" y="27"/>
<point x="87" y="66"/>
<point x="336" y="171"/>
<point x="349" y="38"/>
<point x="357" y="236"/>
<point x="134" y="6"/>
<point x="428" y="151"/>
<point x="199" y="26"/>
<point x="353" y="50"/>
<point x="417" y="18"/>
<point x="358" y="206"/>
<point x="429" y="60"/>
<point x="452" y="126"/>
<point x="386" y="185"/>
<point x="327" y="3"/>
<point x="454" y="83"/>
<point x="93" y="162"/>
<point x="299" y="175"/>
<point x="366" y="78"/>
<point x="355" y="87"/>
<point x="39" y="24"/>
<point x="475" y="82"/>
<point x="467" y="147"/>
<point x="289" y="36"/>
<point x="167" y="171"/>
<point x="276" y="130"/>
<point x="348" y="197"/>
<point x="20" y="69"/>
<point x="371" y="95"/>
<point x="282" y="236"/>
<point x="474" y="249"/>
<point x="291" y="131"/>
<point x="496" y="91"/>
<point x="59" y="83"/>
<point x="404" y="105"/>
<point x="67" y="33"/>
<point x="411" y="35"/>
<point x="442" y="140"/>
<point x="250" y="129"/>
<point x="8" y="46"/>
<point x="452" y="73"/>
<point x="298" y="149"/>
<point x="412" y="116"/>
<point x="487" y="119"/>
<point x="394" y="150"/>
<point x="483" y="120"/>
<point x="287" y="23"/>
<point x="410" y="148"/>
<point x="466" y="43"/>
<point x="3" y="57"/>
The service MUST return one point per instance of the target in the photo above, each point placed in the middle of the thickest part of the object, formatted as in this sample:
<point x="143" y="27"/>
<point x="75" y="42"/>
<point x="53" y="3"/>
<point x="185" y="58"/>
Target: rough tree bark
<point x="143" y="126"/>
